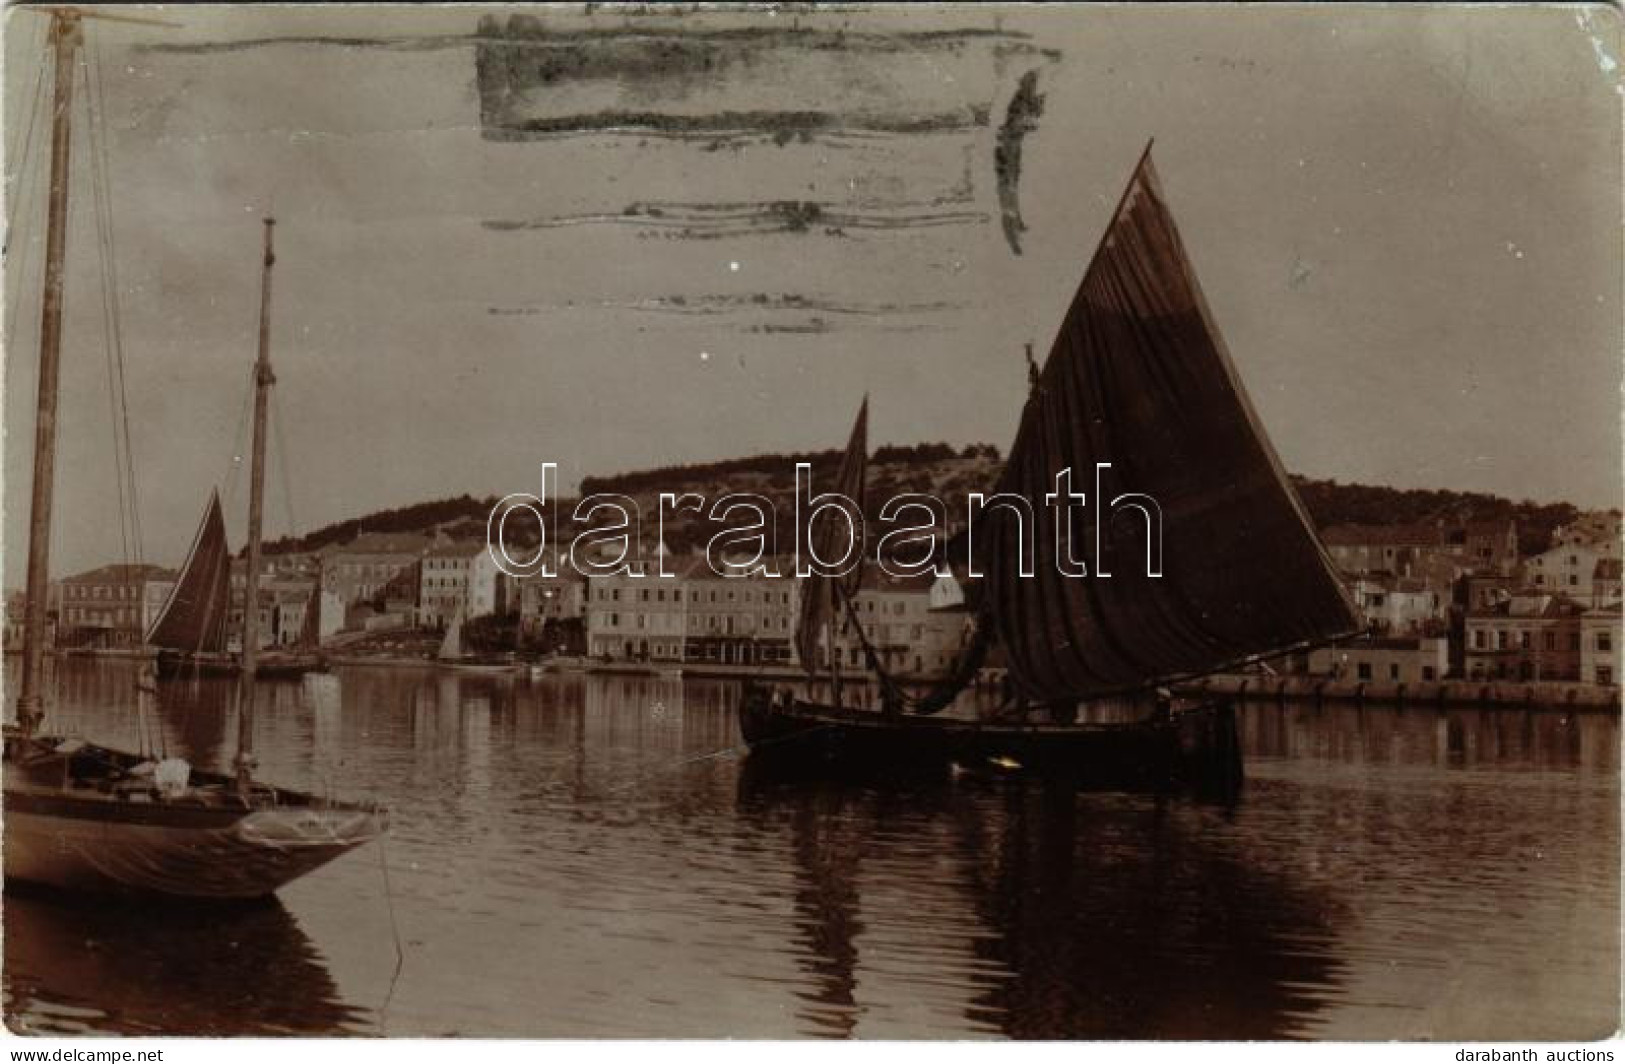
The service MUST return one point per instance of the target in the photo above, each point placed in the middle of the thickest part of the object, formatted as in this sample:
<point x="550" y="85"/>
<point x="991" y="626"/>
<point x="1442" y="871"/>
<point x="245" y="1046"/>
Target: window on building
<point x="1428" y="672"/>
<point x="1393" y="670"/>
<point x="1479" y="641"/>
<point x="1605" y="675"/>
<point x="1501" y="640"/>
<point x="1551" y="640"/>
<point x="1605" y="641"/>
<point x="1363" y="670"/>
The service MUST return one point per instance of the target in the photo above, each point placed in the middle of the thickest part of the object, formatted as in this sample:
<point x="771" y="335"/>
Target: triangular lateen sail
<point x="451" y="646"/>
<point x="193" y="618"/>
<point x="1139" y="377"/>
<point x="820" y="605"/>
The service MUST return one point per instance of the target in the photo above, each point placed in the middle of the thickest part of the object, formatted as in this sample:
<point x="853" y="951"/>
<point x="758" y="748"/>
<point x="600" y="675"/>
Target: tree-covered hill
<point x="947" y="472"/>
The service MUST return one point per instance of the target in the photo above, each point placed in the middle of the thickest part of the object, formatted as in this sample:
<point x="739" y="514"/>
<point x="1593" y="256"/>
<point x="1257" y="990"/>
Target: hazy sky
<point x="1407" y="222"/>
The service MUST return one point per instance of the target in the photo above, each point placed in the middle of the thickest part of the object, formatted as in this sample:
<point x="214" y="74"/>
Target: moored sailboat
<point x="452" y="654"/>
<point x="82" y="816"/>
<point x="1138" y="381"/>
<point x="190" y="631"/>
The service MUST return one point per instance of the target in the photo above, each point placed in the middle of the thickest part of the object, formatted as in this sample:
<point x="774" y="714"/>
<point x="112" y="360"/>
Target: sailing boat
<point x="452" y="655"/>
<point x="1137" y="377"/>
<point x="84" y="817"/>
<point x="189" y="632"/>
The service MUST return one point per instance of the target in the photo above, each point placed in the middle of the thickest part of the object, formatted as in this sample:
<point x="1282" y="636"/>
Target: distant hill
<point x="947" y="472"/>
<point x="1330" y="503"/>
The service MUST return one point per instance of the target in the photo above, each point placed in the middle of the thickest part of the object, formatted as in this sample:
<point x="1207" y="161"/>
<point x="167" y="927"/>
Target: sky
<point x="1406" y="222"/>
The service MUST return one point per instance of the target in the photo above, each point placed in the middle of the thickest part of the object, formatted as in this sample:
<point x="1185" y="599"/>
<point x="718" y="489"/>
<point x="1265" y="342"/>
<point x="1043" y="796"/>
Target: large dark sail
<point x="193" y="619"/>
<point x="1138" y="377"/>
<point x="820" y="602"/>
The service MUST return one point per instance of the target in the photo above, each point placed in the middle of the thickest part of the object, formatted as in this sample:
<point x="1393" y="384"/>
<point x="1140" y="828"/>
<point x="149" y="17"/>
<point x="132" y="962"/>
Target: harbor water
<point x="595" y="856"/>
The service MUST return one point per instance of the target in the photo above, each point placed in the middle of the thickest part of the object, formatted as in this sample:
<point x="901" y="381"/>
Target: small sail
<point x="819" y="602"/>
<point x="1139" y="377"/>
<point x="452" y="645"/>
<point x="193" y="619"/>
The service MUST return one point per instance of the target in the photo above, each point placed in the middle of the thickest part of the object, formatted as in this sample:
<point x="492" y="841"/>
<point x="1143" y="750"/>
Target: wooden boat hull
<point x="172" y="666"/>
<point x="252" y="856"/>
<point x="1194" y="748"/>
<point x="487" y="668"/>
<point x="82" y="818"/>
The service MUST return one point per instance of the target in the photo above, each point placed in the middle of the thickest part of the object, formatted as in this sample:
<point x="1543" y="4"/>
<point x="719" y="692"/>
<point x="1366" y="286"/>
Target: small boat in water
<point x="452" y="655"/>
<point x="1138" y="383"/>
<point x="82" y="816"/>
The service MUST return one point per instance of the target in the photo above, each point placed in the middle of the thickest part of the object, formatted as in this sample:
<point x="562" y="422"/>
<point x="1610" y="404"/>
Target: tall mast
<point x="263" y="379"/>
<point x="66" y="37"/>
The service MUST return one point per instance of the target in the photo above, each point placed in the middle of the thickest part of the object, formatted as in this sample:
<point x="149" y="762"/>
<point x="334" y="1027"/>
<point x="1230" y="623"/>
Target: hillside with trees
<point x="947" y="472"/>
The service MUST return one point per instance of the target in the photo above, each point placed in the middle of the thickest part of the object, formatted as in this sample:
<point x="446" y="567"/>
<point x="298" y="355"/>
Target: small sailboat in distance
<point x="452" y="654"/>
<point x="81" y="816"/>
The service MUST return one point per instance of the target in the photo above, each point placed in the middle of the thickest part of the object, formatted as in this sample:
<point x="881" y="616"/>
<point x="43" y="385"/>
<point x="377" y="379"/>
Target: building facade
<point x="1531" y="638"/>
<point x="1384" y="659"/>
<point x="112" y="606"/>
<point x="1600" y="645"/>
<point x="739" y="620"/>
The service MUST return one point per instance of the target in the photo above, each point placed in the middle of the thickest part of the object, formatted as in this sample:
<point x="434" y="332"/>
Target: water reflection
<point x="1105" y="916"/>
<point x="73" y="967"/>
<point x="591" y="856"/>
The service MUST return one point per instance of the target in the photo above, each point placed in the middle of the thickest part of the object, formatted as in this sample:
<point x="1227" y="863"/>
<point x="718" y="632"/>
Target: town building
<point x="1606" y="583"/>
<point x="1600" y="530"/>
<point x="1361" y="549"/>
<point x="1600" y="645"/>
<point x="1400" y="605"/>
<point x="1528" y="637"/>
<point x="459" y="578"/>
<point x="1491" y="546"/>
<point x="1383" y="659"/>
<point x="636" y="614"/>
<point x="740" y="620"/>
<point x="288" y="589"/>
<point x="910" y="637"/>
<point x="112" y="606"/>
<point x="375" y="575"/>
<point x="1564" y="570"/>
<point x="16" y="620"/>
<point x="552" y="609"/>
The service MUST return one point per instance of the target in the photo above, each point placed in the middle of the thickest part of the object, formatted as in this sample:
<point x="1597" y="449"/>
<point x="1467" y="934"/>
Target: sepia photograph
<point x="793" y="521"/>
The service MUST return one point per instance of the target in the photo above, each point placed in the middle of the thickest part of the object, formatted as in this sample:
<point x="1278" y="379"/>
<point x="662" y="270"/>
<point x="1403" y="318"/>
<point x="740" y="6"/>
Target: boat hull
<point x="172" y="666"/>
<point x="1194" y="748"/>
<point x="251" y="855"/>
<point x="88" y="818"/>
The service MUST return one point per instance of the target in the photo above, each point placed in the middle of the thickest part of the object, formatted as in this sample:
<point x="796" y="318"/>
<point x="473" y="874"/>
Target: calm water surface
<point x="590" y="856"/>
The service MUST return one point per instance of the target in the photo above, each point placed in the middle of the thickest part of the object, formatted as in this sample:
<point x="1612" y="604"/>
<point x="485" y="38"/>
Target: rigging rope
<point x="282" y="465"/>
<point x="112" y="286"/>
<point x="110" y="334"/>
<point x="234" y="463"/>
<point x="26" y="176"/>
